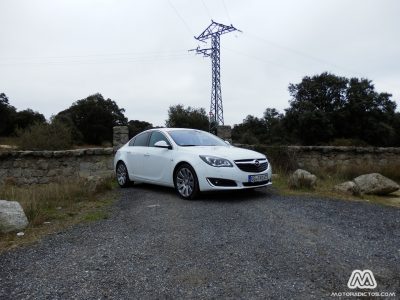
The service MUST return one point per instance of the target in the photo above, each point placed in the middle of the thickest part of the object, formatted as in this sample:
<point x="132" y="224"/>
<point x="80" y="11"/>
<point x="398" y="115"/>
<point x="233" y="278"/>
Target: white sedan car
<point x="190" y="160"/>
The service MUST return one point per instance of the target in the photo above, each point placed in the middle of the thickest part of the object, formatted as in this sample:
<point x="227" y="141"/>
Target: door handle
<point x="147" y="154"/>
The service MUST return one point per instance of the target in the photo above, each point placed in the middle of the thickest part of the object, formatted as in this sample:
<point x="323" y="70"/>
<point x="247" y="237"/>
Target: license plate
<point x="258" y="178"/>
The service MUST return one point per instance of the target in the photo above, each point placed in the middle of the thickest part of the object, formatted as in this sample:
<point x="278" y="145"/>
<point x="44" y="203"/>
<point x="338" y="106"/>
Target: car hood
<point x="232" y="153"/>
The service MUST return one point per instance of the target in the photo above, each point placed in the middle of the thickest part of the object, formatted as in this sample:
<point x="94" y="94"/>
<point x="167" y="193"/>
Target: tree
<point x="7" y="116"/>
<point x="374" y="113"/>
<point x="275" y="131"/>
<point x="93" y="118"/>
<point x="326" y="107"/>
<point x="136" y="126"/>
<point x="267" y="130"/>
<point x="28" y="117"/>
<point x="315" y="107"/>
<point x="179" y="116"/>
<point x="251" y="131"/>
<point x="396" y="126"/>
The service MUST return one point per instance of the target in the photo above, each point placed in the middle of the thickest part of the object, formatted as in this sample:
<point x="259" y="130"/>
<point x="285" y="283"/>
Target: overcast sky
<point x="53" y="53"/>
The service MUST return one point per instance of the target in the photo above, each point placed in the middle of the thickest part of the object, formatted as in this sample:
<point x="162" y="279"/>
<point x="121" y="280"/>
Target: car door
<point x="136" y="153"/>
<point x="159" y="161"/>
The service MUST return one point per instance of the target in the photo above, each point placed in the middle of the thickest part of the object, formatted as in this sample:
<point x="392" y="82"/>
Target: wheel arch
<point x="182" y="162"/>
<point x="118" y="162"/>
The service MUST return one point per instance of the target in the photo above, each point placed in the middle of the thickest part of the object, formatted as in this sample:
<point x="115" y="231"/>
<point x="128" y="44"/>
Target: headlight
<point x="216" y="161"/>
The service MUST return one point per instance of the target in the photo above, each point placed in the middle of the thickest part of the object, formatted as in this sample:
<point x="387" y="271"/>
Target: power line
<point x="180" y="17"/>
<point x="261" y="59"/>
<point x="207" y="10"/>
<point x="227" y="12"/>
<point x="146" y="59"/>
<point x="140" y="54"/>
<point x="308" y="56"/>
<point x="286" y="67"/>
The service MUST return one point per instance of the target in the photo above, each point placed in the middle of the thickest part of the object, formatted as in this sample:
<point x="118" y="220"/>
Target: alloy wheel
<point x="185" y="182"/>
<point x="122" y="174"/>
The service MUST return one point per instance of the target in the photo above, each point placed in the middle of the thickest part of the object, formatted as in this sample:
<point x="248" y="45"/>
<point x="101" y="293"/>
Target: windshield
<point x="187" y="138"/>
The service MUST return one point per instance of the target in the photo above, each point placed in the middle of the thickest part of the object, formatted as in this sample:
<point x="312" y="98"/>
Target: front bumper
<point x="233" y="174"/>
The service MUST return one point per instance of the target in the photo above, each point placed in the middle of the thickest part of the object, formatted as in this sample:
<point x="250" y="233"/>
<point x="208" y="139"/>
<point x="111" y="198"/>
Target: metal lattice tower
<point x="214" y="32"/>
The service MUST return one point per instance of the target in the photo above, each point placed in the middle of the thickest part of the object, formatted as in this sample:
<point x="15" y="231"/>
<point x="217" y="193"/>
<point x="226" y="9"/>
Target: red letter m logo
<point x="362" y="280"/>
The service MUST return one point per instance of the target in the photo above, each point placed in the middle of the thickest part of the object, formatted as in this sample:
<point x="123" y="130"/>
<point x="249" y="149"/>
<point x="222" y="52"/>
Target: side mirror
<point x="226" y="141"/>
<point x="162" y="144"/>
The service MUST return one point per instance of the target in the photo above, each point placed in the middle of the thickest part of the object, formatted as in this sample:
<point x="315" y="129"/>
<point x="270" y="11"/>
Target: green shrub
<point x="53" y="136"/>
<point x="283" y="160"/>
<point x="248" y="138"/>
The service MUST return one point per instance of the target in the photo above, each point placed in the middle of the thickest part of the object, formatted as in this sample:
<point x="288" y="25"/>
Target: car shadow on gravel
<point x="237" y="195"/>
<point x="218" y="196"/>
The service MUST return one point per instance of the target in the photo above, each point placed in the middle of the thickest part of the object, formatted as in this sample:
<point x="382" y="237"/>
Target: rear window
<point x="141" y="139"/>
<point x="157" y="136"/>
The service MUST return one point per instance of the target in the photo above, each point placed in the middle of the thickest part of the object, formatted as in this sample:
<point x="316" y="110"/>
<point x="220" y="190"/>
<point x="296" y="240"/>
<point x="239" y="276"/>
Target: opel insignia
<point x="191" y="161"/>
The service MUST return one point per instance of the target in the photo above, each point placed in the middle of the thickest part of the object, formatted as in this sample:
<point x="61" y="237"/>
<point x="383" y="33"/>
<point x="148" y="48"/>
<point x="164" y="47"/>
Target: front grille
<point x="251" y="166"/>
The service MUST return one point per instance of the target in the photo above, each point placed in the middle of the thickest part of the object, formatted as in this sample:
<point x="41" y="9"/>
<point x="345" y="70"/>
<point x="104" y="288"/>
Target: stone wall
<point x="30" y="167"/>
<point x="330" y="158"/>
<point x="345" y="157"/>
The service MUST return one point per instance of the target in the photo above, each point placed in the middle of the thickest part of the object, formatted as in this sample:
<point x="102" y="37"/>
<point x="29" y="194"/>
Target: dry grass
<point x="349" y="173"/>
<point x="325" y="186"/>
<point x="52" y="207"/>
<point x="8" y="140"/>
<point x="11" y="143"/>
<point x="8" y="143"/>
<point x="284" y="160"/>
<point x="284" y="163"/>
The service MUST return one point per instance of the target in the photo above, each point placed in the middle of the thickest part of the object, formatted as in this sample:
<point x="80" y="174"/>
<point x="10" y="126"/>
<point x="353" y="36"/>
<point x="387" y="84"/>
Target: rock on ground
<point x="92" y="183"/>
<point x="302" y="179"/>
<point x="348" y="187"/>
<point x="12" y="216"/>
<point x="376" y="184"/>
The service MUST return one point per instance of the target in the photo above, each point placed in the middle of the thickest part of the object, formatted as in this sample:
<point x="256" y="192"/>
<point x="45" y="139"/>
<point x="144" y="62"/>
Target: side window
<point x="157" y="136"/>
<point x="131" y="142"/>
<point x="141" y="139"/>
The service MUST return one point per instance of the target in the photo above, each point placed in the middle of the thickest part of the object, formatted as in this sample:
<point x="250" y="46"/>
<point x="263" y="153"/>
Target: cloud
<point x="56" y="52"/>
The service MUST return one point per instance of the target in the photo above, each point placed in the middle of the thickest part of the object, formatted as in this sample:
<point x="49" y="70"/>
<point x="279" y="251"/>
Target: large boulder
<point x="302" y="179"/>
<point x="12" y="216"/>
<point x="348" y="187"/>
<point x="376" y="184"/>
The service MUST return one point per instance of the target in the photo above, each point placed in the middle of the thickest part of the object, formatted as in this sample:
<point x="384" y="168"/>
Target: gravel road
<point x="232" y="245"/>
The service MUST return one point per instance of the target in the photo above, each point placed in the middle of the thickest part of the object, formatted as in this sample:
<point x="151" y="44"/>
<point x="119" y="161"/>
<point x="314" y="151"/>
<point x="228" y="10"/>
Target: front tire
<point x="122" y="175"/>
<point x="186" y="183"/>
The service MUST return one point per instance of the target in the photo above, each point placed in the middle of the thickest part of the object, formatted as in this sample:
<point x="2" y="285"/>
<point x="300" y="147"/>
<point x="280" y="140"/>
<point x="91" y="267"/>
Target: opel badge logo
<point x="256" y="163"/>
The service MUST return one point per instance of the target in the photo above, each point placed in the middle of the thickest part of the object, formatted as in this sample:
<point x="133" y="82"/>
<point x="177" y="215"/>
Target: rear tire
<point x="122" y="175"/>
<point x="186" y="183"/>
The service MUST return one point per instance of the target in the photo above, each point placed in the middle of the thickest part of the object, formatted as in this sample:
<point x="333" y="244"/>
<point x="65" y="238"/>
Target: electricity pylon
<point x="213" y="32"/>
